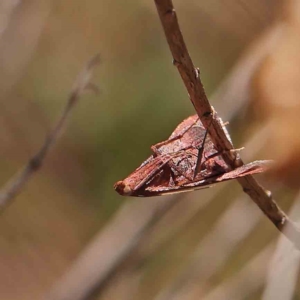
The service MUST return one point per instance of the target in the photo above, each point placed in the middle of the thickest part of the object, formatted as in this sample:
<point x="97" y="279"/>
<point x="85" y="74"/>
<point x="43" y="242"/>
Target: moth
<point x="186" y="161"/>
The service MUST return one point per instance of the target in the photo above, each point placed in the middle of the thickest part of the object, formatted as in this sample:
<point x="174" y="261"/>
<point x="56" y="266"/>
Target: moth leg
<point x="206" y="163"/>
<point x="200" y="154"/>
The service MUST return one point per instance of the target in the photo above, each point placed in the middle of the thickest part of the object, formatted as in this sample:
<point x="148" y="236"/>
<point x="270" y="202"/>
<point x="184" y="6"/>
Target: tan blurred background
<point x="43" y="46"/>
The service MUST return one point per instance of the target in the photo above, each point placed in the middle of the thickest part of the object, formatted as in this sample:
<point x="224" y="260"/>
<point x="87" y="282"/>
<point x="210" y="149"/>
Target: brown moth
<point x="174" y="166"/>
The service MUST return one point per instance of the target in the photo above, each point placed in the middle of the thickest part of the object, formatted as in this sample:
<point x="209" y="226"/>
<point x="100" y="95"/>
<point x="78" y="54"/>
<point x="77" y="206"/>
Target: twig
<point x="191" y="78"/>
<point x="16" y="184"/>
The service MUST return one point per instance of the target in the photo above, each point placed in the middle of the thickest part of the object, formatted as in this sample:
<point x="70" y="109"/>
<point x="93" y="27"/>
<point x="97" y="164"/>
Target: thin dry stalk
<point x="15" y="185"/>
<point x="191" y="78"/>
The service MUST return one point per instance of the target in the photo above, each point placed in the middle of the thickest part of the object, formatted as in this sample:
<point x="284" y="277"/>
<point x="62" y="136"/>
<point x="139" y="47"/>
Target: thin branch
<point x="191" y="78"/>
<point x="15" y="185"/>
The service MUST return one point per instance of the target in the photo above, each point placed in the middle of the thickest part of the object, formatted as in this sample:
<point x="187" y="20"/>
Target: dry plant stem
<point x="191" y="78"/>
<point x="16" y="184"/>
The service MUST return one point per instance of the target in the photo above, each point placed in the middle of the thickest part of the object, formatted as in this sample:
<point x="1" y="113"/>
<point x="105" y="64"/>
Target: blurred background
<point x="69" y="235"/>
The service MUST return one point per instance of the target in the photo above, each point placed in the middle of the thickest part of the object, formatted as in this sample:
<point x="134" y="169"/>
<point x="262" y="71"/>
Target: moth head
<point x="122" y="188"/>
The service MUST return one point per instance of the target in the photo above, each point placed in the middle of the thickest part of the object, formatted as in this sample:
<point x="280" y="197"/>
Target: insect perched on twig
<point x="186" y="161"/>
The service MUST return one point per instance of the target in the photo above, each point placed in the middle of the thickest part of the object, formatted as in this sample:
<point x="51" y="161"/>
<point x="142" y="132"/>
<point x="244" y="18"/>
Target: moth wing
<point x="254" y="167"/>
<point x="184" y="126"/>
<point x="248" y="169"/>
<point x="141" y="175"/>
<point x="162" y="190"/>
